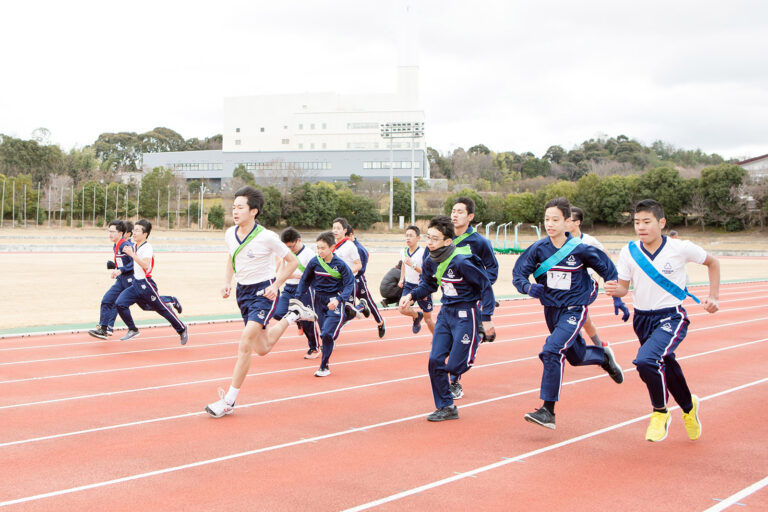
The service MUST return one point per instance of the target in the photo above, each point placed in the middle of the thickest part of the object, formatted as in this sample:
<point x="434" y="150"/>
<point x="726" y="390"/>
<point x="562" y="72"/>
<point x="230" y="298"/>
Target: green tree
<point x="665" y="185"/>
<point x="360" y="211"/>
<point x="401" y="199"/>
<point x="566" y="189"/>
<point x="311" y="205"/>
<point x="273" y="206"/>
<point x="616" y="193"/>
<point x="555" y="154"/>
<point x="716" y="186"/>
<point x="153" y="185"/>
<point x="355" y="180"/>
<point x="119" y="151"/>
<point x="479" y="149"/>
<point x="535" y="167"/>
<point x="243" y="173"/>
<point x="522" y="208"/>
<point x="216" y="216"/>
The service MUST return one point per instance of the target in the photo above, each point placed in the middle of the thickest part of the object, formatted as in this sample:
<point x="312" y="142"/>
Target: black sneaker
<point x="349" y="311"/>
<point x="456" y="390"/>
<point x="384" y="303"/>
<point x="366" y="310"/>
<point x="449" y="412"/>
<point x="382" y="329"/>
<point x="99" y="332"/>
<point x="311" y="354"/>
<point x="611" y="367"/>
<point x="110" y="331"/>
<point x="542" y="417"/>
<point x="417" y="323"/>
<point x="177" y="307"/>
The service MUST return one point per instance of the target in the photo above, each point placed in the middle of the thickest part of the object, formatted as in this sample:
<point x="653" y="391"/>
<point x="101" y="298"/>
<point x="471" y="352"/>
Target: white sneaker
<point x="323" y="372"/>
<point x="304" y="312"/>
<point x="221" y="407"/>
<point x="130" y="335"/>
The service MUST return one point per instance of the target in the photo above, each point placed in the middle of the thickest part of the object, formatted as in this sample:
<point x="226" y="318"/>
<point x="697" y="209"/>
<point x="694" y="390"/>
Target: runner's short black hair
<point x="254" y="196"/>
<point x="444" y="225"/>
<point x="577" y="213"/>
<point x="289" y="234"/>
<point x="327" y="237"/>
<point x="345" y="224"/>
<point x="413" y="228"/>
<point x="128" y="227"/>
<point x="562" y="204"/>
<point x="119" y="225"/>
<point x="652" y="206"/>
<point x="146" y="225"/>
<point x="466" y="201"/>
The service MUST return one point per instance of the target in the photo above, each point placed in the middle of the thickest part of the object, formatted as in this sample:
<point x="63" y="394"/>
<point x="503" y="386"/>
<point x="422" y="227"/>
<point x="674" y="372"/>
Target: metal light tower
<point x="409" y="130"/>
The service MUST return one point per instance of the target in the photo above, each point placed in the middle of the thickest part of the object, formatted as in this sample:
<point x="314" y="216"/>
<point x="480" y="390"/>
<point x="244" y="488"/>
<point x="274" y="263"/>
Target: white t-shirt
<point x="590" y="240"/>
<point x="255" y="262"/>
<point x="304" y="256"/>
<point x="347" y="252"/>
<point x="411" y="276"/>
<point x="144" y="252"/>
<point x="669" y="260"/>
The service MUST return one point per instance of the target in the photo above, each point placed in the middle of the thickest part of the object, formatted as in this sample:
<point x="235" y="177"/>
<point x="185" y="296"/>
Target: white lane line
<point x="215" y="379"/>
<point x="735" y="498"/>
<point x="601" y="302"/>
<point x="347" y="432"/>
<point x="376" y="340"/>
<point x="350" y="388"/>
<point x="509" y="460"/>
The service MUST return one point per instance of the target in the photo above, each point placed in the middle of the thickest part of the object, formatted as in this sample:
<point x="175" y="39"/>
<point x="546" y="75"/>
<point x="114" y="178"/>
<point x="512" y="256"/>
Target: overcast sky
<point x="513" y="75"/>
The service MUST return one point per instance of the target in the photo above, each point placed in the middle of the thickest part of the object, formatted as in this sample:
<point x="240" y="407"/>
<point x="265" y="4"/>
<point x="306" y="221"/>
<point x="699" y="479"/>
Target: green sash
<point x="556" y="258"/>
<point x="444" y="265"/>
<point x="334" y="273"/>
<point x="301" y="267"/>
<point x="256" y="231"/>
<point x="460" y="238"/>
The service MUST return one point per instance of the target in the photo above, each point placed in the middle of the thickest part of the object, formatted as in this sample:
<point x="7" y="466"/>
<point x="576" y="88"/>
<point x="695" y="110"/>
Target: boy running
<point x="292" y="239"/>
<point x="361" y="286"/>
<point x="143" y="290"/>
<point x="559" y="265"/>
<point x="253" y="250"/>
<point x="656" y="267"/>
<point x="333" y="284"/>
<point x="574" y="227"/>
<point x="121" y="266"/>
<point x="462" y="215"/>
<point x="456" y="336"/>
<point x="410" y="273"/>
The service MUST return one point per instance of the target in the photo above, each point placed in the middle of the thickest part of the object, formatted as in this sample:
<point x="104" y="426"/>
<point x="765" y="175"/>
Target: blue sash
<point x="659" y="279"/>
<point x="560" y="255"/>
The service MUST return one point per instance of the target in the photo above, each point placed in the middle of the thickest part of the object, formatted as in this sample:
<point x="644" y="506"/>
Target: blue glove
<point x="536" y="290"/>
<point x="618" y="305"/>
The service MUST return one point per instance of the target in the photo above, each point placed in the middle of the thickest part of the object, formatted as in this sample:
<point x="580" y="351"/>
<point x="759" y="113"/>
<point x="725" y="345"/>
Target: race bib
<point x="558" y="280"/>
<point x="449" y="290"/>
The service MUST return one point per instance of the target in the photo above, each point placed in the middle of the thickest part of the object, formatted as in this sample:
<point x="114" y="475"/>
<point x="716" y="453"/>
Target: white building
<point x="321" y="121"/>
<point x="756" y="167"/>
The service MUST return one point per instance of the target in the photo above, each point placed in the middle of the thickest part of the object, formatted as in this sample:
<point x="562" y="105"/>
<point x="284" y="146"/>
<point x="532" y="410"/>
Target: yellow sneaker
<point x="659" y="426"/>
<point x="691" y="420"/>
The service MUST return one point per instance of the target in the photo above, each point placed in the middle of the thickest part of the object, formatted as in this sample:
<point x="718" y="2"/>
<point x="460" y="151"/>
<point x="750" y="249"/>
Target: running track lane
<point x="419" y="390"/>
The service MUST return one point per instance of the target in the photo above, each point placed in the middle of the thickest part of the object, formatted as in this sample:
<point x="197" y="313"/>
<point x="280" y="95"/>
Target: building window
<point x="237" y="130"/>
<point x="312" y="126"/>
<point x="286" y="141"/>
<point x="262" y="129"/>
<point x="324" y="145"/>
<point x="324" y="126"/>
<point x="362" y="126"/>
<point x="312" y="146"/>
<point x="301" y="127"/>
<point x="301" y="146"/>
<point x="237" y="142"/>
<point x="285" y="127"/>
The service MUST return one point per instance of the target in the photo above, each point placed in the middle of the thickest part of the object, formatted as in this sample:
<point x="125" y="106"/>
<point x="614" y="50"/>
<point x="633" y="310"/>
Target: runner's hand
<point x="618" y="305"/>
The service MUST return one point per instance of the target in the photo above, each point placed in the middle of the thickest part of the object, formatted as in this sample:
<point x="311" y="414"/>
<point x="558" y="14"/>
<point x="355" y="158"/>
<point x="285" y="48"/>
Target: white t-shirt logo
<point x="667" y="268"/>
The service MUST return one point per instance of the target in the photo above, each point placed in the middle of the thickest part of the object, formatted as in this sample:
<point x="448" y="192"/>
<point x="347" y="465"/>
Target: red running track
<point x="120" y="425"/>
